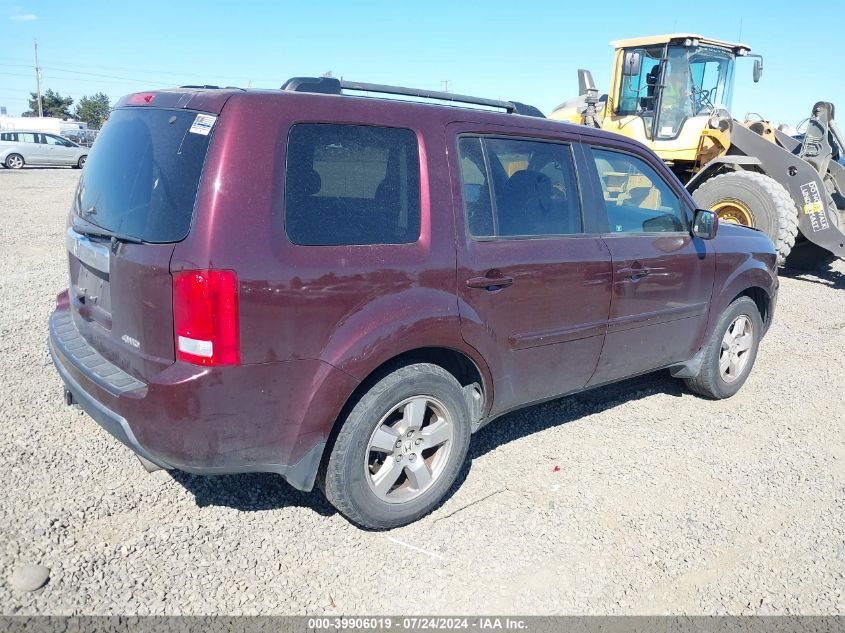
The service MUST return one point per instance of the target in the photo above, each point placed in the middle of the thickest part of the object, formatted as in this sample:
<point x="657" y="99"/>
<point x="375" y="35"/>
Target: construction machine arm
<point x="814" y="180"/>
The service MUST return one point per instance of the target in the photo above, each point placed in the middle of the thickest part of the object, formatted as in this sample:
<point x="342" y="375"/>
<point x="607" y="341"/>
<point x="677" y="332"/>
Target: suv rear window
<point x="351" y="184"/>
<point x="142" y="176"/>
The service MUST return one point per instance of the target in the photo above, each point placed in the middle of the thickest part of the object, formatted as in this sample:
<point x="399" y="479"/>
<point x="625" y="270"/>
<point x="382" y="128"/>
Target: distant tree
<point x="94" y="110"/>
<point x="52" y="103"/>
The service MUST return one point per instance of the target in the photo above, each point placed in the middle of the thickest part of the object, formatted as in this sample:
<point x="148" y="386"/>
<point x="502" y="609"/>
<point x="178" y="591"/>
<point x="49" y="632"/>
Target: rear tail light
<point x="205" y="317"/>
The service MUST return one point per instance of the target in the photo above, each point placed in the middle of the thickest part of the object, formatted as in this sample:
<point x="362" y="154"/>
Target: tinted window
<point x="351" y="184"/>
<point x="518" y="188"/>
<point x="142" y="176"/>
<point x="8" y="136"/>
<point x="637" y="198"/>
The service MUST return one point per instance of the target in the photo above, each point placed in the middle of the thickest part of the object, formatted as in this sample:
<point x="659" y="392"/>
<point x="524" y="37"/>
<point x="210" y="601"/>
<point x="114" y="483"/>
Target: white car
<point x="21" y="148"/>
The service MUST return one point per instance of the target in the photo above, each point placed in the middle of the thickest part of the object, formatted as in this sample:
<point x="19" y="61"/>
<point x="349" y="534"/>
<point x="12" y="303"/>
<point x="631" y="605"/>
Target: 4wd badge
<point x="130" y="341"/>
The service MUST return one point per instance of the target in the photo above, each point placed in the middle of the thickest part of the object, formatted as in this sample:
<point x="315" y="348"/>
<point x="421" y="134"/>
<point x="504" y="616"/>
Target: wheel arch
<point x="468" y="371"/>
<point x="751" y="279"/>
<point x="762" y="300"/>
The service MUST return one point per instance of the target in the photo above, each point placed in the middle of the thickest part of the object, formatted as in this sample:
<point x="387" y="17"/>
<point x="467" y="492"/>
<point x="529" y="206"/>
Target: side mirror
<point x="705" y="224"/>
<point x="631" y="63"/>
<point x="758" y="69"/>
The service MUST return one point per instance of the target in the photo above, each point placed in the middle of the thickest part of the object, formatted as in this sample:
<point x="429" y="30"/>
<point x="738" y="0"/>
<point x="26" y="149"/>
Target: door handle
<point x="490" y="283"/>
<point x="634" y="274"/>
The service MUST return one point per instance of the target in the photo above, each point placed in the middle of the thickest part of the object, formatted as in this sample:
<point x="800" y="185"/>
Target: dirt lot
<point x="663" y="502"/>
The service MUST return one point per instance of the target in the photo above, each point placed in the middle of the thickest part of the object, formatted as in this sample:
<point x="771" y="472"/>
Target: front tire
<point x="14" y="161"/>
<point x="756" y="200"/>
<point x="81" y="162"/>
<point x="399" y="449"/>
<point x="731" y="351"/>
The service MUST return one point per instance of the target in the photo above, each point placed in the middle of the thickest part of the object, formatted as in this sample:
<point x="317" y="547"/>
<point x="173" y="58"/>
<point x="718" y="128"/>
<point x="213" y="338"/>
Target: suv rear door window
<point x="637" y="198"/>
<point x="515" y="187"/>
<point x="142" y="177"/>
<point x="351" y="184"/>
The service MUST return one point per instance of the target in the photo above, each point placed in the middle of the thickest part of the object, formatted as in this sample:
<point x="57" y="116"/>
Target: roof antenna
<point x="739" y="39"/>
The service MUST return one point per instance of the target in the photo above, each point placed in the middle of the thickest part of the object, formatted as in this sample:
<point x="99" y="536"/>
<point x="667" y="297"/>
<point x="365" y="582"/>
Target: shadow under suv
<point x="343" y="288"/>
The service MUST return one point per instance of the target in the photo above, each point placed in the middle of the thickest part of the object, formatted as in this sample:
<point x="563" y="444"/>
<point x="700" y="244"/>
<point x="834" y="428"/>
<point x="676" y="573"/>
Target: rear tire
<point x="14" y="161"/>
<point x="399" y="449"/>
<point x="773" y="209"/>
<point x="728" y="358"/>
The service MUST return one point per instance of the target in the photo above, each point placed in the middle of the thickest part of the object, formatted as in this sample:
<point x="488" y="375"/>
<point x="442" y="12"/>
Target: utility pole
<point x="445" y="85"/>
<point x="38" y="79"/>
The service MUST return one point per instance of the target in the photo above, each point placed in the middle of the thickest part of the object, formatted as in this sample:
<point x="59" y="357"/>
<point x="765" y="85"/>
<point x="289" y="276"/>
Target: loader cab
<point x="670" y="84"/>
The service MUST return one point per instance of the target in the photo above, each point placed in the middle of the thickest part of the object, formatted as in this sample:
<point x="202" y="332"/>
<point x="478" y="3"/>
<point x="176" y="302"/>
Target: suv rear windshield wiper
<point x="96" y="231"/>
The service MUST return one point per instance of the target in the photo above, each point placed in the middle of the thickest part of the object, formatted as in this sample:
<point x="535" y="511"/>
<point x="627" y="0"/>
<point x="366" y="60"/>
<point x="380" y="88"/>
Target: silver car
<point x="21" y="148"/>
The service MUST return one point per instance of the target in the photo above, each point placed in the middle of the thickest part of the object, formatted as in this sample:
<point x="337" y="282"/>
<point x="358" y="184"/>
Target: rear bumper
<point x="273" y="417"/>
<point x="115" y="424"/>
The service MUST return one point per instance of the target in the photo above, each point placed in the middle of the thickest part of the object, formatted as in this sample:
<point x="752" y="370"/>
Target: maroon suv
<point x="343" y="288"/>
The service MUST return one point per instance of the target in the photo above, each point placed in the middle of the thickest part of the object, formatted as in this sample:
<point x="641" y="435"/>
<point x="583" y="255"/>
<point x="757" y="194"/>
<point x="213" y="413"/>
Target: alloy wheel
<point x="409" y="449"/>
<point x="736" y="347"/>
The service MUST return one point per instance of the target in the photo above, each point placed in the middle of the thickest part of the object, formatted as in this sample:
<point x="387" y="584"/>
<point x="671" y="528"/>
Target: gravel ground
<point x="663" y="502"/>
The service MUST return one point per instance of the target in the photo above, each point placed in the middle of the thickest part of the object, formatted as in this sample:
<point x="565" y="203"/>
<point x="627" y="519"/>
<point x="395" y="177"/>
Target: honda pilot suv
<point x="341" y="288"/>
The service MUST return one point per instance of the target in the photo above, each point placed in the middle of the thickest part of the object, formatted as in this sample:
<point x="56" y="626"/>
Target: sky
<point x="522" y="51"/>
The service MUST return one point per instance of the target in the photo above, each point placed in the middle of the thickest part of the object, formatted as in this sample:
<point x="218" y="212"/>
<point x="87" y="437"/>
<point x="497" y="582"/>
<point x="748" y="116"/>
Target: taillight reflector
<point x="205" y="317"/>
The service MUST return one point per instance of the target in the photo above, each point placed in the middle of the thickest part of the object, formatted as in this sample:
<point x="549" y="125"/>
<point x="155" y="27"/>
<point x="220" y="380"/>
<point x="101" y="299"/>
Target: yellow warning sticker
<point x="814" y="206"/>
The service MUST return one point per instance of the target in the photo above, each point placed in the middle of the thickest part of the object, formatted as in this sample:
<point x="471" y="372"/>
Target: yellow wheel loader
<point x="673" y="93"/>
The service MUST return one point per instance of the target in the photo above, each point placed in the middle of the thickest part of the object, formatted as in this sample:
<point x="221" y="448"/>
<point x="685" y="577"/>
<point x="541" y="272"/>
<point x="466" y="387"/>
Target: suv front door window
<point x="662" y="276"/>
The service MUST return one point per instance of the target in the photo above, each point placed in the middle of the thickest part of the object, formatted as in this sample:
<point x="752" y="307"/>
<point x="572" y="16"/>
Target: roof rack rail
<point x="334" y="86"/>
<point x="211" y="87"/>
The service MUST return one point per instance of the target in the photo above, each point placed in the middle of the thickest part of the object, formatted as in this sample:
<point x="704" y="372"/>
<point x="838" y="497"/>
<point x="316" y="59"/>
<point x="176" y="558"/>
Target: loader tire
<point x="772" y="209"/>
<point x="806" y="256"/>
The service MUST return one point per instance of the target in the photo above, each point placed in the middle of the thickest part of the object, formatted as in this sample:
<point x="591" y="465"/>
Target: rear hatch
<point x="134" y="201"/>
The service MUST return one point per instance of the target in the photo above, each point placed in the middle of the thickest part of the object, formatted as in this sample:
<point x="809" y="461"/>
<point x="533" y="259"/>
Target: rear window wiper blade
<point x="95" y="231"/>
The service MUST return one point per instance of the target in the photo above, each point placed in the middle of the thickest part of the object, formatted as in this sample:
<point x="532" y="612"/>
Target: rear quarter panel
<point x="351" y="307"/>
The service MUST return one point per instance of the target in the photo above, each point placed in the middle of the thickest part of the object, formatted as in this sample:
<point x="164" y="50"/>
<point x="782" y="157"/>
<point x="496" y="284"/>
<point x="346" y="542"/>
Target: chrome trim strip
<point x="90" y="253"/>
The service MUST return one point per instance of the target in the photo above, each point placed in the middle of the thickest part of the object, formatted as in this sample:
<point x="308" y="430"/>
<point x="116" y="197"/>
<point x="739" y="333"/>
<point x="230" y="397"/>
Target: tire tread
<point x="704" y="383"/>
<point x="332" y="479"/>
<point x="785" y="207"/>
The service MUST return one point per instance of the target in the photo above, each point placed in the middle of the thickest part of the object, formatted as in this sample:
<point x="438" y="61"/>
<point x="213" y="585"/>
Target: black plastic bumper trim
<point x="113" y="423"/>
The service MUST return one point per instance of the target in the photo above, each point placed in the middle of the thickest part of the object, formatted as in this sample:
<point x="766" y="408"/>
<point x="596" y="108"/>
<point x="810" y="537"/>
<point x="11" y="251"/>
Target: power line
<point x="132" y="70"/>
<point x="79" y="72"/>
<point x="150" y="84"/>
